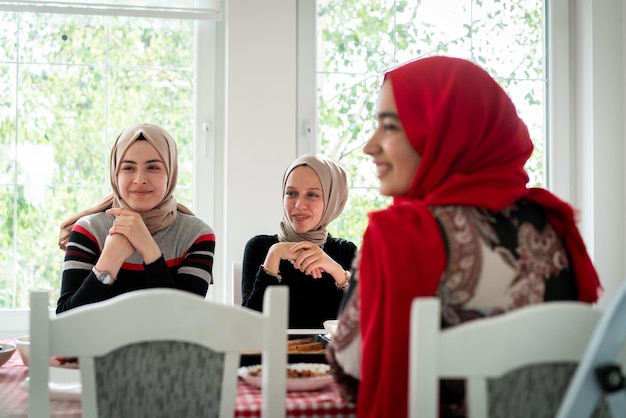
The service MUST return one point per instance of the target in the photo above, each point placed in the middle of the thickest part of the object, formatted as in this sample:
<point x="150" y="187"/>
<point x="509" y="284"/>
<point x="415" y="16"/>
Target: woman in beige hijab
<point x="137" y="237"/>
<point x="303" y="255"/>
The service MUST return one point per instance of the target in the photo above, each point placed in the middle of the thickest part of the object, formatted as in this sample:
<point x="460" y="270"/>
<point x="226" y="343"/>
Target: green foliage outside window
<point x="358" y="40"/>
<point x="68" y="86"/>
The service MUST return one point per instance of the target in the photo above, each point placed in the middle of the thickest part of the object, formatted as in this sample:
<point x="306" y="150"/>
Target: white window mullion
<point x="307" y="65"/>
<point x="206" y="191"/>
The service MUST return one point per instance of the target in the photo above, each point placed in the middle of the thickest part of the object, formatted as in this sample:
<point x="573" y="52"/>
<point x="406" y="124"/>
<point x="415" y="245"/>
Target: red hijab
<point x="473" y="147"/>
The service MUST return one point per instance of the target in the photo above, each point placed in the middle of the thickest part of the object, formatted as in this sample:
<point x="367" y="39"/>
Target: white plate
<point x="64" y="384"/>
<point x="295" y="384"/>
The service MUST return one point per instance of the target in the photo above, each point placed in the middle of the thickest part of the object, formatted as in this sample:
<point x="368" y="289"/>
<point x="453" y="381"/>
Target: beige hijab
<point x="162" y="215"/>
<point x="335" y="190"/>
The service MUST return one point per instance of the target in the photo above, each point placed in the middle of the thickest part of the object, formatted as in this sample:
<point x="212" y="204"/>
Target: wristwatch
<point x="103" y="276"/>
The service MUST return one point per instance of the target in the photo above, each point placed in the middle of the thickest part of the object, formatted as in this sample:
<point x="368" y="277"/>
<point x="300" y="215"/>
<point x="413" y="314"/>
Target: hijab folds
<point x="335" y="190"/>
<point x="473" y="148"/>
<point x="162" y="215"/>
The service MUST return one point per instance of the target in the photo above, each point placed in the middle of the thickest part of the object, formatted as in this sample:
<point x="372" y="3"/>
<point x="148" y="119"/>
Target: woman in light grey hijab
<point x="303" y="256"/>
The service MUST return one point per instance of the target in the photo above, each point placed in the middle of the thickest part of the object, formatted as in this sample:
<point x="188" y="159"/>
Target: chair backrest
<point x="236" y="281"/>
<point x="182" y="349"/>
<point x="606" y="348"/>
<point x="484" y="349"/>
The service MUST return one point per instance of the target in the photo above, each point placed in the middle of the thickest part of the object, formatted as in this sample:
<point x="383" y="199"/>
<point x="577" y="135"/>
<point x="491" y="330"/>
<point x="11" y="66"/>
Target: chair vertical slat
<point x="274" y="379"/>
<point x="39" y="362"/>
<point x="424" y="358"/>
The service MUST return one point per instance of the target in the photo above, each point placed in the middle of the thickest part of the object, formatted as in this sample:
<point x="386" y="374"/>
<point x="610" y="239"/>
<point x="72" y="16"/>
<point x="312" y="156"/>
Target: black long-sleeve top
<point x="311" y="301"/>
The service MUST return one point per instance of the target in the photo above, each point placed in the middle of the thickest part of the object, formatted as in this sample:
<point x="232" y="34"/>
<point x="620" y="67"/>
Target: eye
<point x="314" y="195"/>
<point x="290" y="193"/>
<point x="127" y="167"/>
<point x="154" y="167"/>
<point x="389" y="126"/>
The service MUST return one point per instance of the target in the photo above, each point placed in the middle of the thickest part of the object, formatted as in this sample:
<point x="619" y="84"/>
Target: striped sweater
<point x="187" y="248"/>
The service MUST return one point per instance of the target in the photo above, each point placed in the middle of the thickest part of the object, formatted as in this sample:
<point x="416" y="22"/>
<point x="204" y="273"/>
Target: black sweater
<point x="311" y="301"/>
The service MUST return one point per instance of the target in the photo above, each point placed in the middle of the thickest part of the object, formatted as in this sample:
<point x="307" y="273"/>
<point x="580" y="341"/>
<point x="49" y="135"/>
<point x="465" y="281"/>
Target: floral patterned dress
<point x="496" y="262"/>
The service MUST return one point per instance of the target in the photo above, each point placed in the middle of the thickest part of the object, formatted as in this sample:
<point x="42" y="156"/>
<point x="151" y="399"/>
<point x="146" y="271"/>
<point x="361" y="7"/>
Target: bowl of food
<point x="23" y="347"/>
<point x="331" y="326"/>
<point x="6" y="352"/>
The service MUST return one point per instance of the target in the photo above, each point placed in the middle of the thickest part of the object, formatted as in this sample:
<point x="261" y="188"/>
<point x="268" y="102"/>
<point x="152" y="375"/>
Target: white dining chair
<point x="160" y="353"/>
<point x="548" y="335"/>
<point x="600" y="373"/>
<point x="236" y="282"/>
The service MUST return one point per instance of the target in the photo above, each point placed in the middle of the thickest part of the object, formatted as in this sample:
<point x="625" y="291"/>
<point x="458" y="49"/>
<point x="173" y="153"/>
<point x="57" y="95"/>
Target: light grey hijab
<point x="335" y="192"/>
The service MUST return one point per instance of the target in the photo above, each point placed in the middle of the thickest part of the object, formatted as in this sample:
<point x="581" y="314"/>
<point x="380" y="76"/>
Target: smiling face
<point x="396" y="160"/>
<point x="142" y="177"/>
<point x="303" y="201"/>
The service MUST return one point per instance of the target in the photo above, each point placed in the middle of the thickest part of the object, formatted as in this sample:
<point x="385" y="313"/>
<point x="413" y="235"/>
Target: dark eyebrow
<point x="147" y="162"/>
<point x="392" y="115"/>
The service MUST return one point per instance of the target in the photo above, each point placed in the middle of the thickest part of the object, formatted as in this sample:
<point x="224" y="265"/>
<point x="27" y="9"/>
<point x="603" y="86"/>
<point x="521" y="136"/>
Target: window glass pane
<point x="53" y="38"/>
<point x="74" y="83"/>
<point x="358" y="40"/>
<point x="8" y="36"/>
<point x="422" y="29"/>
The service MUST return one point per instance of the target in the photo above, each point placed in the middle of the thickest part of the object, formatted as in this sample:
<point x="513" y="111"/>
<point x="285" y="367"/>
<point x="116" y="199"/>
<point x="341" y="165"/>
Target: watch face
<point x="105" y="278"/>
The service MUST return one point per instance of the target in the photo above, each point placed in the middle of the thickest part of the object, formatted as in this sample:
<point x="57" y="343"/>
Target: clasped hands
<point x="127" y="235"/>
<point x="305" y="256"/>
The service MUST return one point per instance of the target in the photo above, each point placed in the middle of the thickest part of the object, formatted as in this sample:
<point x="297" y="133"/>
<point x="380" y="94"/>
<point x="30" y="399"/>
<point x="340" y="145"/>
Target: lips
<point x="382" y="169"/>
<point x="300" y="217"/>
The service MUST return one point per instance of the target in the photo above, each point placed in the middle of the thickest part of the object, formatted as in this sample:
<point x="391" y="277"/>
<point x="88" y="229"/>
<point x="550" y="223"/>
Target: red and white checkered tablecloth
<point x="14" y="396"/>
<point x="324" y="403"/>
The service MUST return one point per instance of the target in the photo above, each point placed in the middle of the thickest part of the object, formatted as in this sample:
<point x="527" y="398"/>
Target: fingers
<point x="310" y="259"/>
<point x="127" y="222"/>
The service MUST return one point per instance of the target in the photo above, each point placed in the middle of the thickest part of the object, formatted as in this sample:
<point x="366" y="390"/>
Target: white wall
<point x="598" y="84"/>
<point x="261" y="123"/>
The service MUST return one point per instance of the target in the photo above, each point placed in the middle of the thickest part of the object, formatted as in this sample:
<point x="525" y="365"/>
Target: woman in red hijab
<point x="450" y="149"/>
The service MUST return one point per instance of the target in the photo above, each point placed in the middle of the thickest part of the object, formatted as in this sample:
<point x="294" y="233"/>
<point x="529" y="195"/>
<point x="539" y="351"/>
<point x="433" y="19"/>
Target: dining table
<point x="325" y="402"/>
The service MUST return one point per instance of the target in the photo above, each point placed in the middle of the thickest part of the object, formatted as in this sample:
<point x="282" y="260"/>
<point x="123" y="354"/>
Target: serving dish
<point x="319" y="373"/>
<point x="23" y="347"/>
<point x="249" y="358"/>
<point x="6" y="352"/>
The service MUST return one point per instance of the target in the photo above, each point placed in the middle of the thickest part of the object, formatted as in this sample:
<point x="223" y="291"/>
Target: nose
<point x="140" y="177"/>
<point x="300" y="202"/>
<point x="371" y="147"/>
